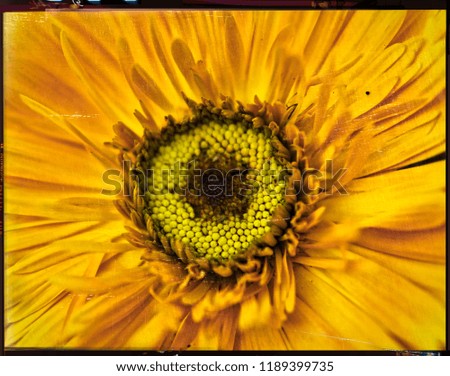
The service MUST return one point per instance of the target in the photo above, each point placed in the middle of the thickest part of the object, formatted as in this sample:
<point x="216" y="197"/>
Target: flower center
<point x="211" y="188"/>
<point x="217" y="187"/>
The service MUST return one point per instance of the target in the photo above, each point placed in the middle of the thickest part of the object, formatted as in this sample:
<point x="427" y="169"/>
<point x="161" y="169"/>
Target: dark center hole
<point x="216" y="187"/>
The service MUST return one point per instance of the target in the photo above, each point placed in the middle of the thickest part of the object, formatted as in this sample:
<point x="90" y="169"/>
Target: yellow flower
<point x="356" y="100"/>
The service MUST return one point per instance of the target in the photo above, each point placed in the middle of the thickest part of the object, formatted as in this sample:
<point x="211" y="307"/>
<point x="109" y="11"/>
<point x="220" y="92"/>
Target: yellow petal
<point x="394" y="302"/>
<point x="407" y="199"/>
<point x="425" y="245"/>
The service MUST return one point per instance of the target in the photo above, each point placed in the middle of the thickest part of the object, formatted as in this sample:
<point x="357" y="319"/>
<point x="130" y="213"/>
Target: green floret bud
<point x="222" y="241"/>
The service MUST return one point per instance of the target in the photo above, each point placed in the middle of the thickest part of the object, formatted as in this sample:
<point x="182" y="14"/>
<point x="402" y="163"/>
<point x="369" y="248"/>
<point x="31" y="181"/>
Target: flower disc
<point x="211" y="188"/>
